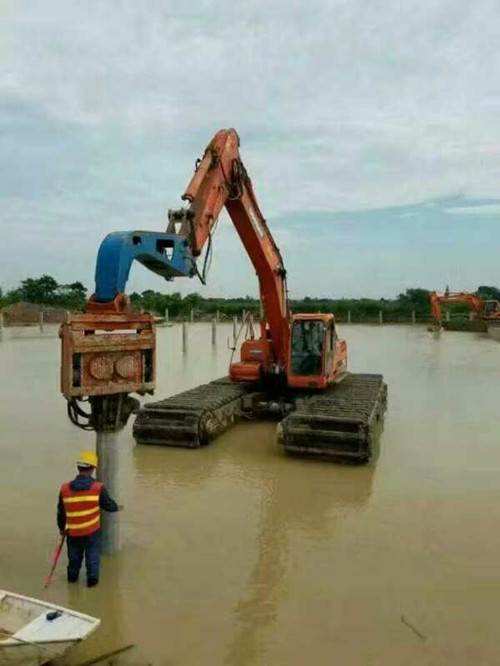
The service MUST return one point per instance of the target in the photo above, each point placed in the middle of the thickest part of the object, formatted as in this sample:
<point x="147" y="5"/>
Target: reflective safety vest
<point x="83" y="514"/>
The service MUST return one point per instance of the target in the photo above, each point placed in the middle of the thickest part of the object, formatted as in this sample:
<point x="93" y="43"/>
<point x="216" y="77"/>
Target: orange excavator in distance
<point x="486" y="310"/>
<point x="296" y="368"/>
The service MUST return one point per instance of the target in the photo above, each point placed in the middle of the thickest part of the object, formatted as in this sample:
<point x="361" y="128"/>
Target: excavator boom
<point x="221" y="180"/>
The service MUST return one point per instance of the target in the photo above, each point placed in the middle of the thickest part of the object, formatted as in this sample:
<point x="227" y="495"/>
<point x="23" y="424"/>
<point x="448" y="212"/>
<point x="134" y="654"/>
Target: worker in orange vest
<point x="79" y="515"/>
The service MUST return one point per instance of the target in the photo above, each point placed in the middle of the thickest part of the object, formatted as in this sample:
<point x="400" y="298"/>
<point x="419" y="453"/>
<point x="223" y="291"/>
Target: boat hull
<point x="34" y="632"/>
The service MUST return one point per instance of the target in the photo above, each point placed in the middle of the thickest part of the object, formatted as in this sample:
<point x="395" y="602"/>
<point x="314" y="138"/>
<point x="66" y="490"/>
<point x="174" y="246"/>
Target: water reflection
<point x="289" y="511"/>
<point x="106" y="602"/>
<point x="185" y="467"/>
<point x="294" y="500"/>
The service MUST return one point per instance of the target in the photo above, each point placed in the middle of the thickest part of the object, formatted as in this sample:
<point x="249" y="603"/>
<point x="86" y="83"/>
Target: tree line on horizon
<point x="46" y="291"/>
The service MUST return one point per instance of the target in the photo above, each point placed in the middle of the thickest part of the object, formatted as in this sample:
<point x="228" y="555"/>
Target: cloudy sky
<point x="371" y="130"/>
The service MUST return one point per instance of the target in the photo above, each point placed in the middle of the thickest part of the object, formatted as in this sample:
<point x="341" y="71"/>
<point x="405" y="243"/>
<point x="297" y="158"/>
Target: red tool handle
<point x="55" y="560"/>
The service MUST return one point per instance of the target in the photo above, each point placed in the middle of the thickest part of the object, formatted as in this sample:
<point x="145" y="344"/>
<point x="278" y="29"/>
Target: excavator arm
<point x="476" y="303"/>
<point x="221" y="180"/>
<point x="95" y="344"/>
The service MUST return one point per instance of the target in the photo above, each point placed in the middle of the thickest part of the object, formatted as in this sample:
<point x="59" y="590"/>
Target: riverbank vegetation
<point x="46" y="291"/>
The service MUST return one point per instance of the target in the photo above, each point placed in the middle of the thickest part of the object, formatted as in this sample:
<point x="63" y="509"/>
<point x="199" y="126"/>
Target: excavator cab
<point x="317" y="356"/>
<point x="307" y="343"/>
<point x="491" y="309"/>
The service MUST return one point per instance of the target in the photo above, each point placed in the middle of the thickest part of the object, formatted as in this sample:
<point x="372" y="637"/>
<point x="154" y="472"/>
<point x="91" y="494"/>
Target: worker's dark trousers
<point x="90" y="546"/>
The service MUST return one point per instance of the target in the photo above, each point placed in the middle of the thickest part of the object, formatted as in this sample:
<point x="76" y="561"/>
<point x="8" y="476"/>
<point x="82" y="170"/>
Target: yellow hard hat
<point x="87" y="459"/>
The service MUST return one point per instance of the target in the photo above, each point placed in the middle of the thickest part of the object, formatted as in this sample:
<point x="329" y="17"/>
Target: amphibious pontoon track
<point x="192" y="418"/>
<point x="340" y="423"/>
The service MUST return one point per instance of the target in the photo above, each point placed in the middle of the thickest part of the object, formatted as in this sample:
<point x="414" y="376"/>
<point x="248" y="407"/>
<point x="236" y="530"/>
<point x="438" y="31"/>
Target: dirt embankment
<point x="27" y="314"/>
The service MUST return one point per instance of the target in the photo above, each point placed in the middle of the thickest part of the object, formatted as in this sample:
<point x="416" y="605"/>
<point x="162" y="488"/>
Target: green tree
<point x="489" y="293"/>
<point x="415" y="299"/>
<point x="40" y="290"/>
<point x="72" y="296"/>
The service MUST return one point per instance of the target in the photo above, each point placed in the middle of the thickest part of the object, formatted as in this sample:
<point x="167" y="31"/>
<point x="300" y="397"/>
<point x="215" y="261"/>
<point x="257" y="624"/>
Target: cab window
<point x="307" y="347"/>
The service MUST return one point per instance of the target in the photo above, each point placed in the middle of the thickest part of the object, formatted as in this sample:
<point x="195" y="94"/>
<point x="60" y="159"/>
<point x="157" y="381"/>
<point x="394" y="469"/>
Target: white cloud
<point x="340" y="104"/>
<point x="487" y="210"/>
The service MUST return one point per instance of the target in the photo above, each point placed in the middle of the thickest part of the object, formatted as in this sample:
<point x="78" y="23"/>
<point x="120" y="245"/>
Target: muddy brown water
<point x="238" y="555"/>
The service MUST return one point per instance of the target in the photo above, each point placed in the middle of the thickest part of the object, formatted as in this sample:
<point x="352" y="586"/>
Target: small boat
<point x="34" y="632"/>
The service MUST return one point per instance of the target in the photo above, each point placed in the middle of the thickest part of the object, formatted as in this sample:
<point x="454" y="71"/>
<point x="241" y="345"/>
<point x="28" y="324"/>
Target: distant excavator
<point x="486" y="310"/>
<point x="296" y="368"/>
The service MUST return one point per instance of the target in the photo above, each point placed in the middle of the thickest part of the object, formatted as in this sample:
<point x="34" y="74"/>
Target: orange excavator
<point x="297" y="367"/>
<point x="316" y="357"/>
<point x="487" y="310"/>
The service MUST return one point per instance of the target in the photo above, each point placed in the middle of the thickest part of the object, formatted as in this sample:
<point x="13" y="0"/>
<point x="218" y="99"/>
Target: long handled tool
<point x="55" y="560"/>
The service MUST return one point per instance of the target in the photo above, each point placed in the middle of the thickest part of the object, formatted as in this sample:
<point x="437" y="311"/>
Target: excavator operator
<point x="307" y="347"/>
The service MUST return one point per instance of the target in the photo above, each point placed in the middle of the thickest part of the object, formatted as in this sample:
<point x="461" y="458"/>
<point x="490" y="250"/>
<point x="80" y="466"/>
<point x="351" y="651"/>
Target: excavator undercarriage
<point x="339" y="423"/>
